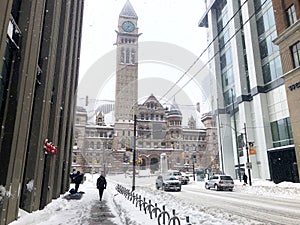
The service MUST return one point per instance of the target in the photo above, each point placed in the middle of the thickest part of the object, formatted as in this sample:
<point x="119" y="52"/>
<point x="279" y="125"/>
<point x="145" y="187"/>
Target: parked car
<point x="168" y="183"/>
<point x="179" y="176"/>
<point x="185" y="178"/>
<point x="220" y="182"/>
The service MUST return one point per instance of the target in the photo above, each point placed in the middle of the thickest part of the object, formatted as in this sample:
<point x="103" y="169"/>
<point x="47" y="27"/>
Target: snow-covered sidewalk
<point x="78" y="212"/>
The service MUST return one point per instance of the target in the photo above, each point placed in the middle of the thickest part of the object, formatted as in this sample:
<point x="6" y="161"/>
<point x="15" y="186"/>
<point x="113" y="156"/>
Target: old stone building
<point x="158" y="130"/>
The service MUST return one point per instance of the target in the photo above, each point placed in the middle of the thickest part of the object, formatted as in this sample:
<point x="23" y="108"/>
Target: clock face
<point x="128" y="26"/>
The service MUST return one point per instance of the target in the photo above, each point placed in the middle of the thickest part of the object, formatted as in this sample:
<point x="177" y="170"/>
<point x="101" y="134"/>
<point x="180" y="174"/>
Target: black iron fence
<point x="160" y="214"/>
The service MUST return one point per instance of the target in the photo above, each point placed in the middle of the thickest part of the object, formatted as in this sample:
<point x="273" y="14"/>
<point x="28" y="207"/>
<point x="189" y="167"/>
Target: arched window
<point x="91" y="145"/>
<point x="122" y="55"/>
<point x="127" y="55"/>
<point x="132" y="56"/>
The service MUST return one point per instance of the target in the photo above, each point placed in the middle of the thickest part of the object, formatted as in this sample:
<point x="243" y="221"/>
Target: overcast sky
<point x="169" y="21"/>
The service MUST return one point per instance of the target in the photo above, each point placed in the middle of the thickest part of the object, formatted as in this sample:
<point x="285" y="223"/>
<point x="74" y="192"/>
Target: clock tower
<point x="126" y="74"/>
<point x="127" y="64"/>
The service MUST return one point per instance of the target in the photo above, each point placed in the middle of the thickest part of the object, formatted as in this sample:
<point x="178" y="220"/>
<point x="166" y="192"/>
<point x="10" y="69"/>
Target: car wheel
<point x="207" y="186"/>
<point x="217" y="187"/>
<point x="179" y="189"/>
<point x="157" y="187"/>
<point x="230" y="189"/>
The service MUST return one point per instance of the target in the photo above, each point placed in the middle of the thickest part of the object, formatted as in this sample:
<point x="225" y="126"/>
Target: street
<point x="266" y="210"/>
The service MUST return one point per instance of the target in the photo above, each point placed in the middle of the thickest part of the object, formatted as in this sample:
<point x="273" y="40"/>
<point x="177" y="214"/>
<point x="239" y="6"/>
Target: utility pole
<point x="236" y="139"/>
<point x="220" y="138"/>
<point x="104" y="160"/>
<point x="134" y="154"/>
<point x="247" y="152"/>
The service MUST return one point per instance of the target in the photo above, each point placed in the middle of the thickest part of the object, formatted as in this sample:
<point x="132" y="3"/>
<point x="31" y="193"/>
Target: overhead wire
<point x="207" y="48"/>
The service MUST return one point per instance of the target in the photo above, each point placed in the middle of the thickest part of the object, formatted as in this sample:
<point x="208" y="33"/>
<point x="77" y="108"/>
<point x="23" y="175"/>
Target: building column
<point x="5" y="9"/>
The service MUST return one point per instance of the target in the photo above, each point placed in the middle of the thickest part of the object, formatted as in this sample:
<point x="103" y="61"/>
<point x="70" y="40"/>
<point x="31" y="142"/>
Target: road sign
<point x="249" y="165"/>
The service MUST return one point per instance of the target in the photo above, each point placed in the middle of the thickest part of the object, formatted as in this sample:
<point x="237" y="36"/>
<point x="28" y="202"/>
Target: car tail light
<point x="232" y="182"/>
<point x="221" y="182"/>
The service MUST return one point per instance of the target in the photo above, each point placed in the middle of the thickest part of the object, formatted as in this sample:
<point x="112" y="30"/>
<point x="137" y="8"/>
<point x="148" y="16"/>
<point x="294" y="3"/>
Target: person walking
<point x="101" y="185"/>
<point x="77" y="180"/>
<point x="245" y="179"/>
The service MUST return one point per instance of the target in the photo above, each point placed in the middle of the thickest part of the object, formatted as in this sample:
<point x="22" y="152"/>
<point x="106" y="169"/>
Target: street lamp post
<point x="194" y="167"/>
<point x="247" y="152"/>
<point x="134" y="153"/>
<point x="236" y="138"/>
<point x="220" y="138"/>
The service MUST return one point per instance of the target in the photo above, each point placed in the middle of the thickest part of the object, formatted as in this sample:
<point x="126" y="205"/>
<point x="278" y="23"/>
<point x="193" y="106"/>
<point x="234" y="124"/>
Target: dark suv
<point x="220" y="182"/>
<point x="168" y="183"/>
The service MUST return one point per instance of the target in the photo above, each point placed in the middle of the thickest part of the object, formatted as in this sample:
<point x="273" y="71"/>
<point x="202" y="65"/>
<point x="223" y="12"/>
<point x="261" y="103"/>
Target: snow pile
<point x="287" y="190"/>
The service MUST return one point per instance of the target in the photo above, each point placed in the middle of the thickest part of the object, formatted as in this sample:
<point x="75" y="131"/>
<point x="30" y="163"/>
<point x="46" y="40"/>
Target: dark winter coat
<point x="245" y="178"/>
<point x="101" y="182"/>
<point x="78" y="178"/>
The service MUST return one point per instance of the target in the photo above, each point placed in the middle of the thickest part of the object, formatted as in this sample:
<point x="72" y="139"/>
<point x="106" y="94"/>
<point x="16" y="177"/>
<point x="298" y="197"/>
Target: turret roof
<point x="128" y="11"/>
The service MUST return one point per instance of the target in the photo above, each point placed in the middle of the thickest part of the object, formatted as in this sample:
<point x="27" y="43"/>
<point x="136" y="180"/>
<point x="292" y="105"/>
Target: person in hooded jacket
<point x="78" y="178"/>
<point x="101" y="185"/>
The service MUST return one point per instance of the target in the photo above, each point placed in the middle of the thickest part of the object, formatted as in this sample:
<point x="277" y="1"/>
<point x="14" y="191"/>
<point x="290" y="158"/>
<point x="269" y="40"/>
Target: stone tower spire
<point x="128" y="11"/>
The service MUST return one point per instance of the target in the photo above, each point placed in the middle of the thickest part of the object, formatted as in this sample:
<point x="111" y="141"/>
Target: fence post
<point x="137" y="201"/>
<point x="174" y="219"/>
<point x="145" y="205"/>
<point x="188" y="220"/>
<point x="149" y="206"/>
<point x="155" y="209"/>
<point x="163" y="214"/>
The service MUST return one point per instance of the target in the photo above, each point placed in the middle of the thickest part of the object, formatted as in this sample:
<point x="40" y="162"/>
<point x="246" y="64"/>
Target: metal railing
<point x="160" y="214"/>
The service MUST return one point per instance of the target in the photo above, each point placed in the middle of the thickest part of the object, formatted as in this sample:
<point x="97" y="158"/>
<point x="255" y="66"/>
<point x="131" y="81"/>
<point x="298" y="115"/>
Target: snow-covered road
<point x="267" y="210"/>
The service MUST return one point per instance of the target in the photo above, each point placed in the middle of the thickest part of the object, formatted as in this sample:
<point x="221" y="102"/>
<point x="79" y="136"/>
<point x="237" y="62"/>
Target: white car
<point x="179" y="176"/>
<point x="168" y="183"/>
<point x="220" y="182"/>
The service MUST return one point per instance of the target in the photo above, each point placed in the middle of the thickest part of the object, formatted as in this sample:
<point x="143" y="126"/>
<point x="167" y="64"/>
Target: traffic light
<point x="252" y="151"/>
<point x="129" y="144"/>
<point x="125" y="158"/>
<point x="140" y="160"/>
<point x="182" y="155"/>
<point x="241" y="144"/>
<point x="250" y="145"/>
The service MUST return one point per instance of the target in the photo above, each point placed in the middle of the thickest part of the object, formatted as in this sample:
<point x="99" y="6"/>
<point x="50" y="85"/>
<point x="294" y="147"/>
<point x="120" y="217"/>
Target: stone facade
<point x="159" y="130"/>
<point x="288" y="36"/>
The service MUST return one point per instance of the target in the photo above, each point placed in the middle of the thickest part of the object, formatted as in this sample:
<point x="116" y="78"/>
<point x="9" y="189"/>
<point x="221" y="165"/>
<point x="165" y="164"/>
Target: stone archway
<point x="154" y="164"/>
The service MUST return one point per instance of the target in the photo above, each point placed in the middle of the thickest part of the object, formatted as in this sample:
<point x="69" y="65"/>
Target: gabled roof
<point x="128" y="11"/>
<point x="152" y="98"/>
